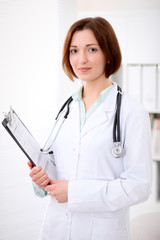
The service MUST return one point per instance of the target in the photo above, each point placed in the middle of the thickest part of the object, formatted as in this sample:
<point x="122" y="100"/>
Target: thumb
<point x="52" y="181"/>
<point x="56" y="181"/>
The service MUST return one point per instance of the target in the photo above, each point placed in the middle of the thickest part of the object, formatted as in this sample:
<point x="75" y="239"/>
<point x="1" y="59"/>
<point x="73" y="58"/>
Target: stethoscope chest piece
<point x="117" y="150"/>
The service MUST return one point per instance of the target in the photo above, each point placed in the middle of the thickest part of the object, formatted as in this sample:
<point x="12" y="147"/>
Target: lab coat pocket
<point x="107" y="229"/>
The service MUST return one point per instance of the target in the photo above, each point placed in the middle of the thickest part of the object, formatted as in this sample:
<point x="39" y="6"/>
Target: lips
<point x="84" y="69"/>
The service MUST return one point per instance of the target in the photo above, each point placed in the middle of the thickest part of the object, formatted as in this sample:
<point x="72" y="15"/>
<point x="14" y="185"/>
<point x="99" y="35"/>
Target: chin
<point x="85" y="78"/>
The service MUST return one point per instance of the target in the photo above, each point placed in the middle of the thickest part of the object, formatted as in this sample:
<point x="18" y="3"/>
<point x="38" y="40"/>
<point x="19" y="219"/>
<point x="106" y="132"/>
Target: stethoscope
<point x="117" y="150"/>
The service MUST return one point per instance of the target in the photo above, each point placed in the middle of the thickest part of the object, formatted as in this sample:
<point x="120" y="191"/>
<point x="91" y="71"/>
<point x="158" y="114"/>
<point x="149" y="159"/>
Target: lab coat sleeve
<point x="133" y="185"/>
<point x="40" y="192"/>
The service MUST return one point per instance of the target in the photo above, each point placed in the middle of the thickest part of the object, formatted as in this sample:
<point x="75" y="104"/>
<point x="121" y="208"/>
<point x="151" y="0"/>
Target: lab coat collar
<point x="100" y="115"/>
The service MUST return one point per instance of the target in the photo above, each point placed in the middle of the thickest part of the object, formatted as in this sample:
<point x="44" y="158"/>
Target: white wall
<point x="28" y="68"/>
<point x="138" y="33"/>
<point x="31" y="36"/>
<point x="105" y="5"/>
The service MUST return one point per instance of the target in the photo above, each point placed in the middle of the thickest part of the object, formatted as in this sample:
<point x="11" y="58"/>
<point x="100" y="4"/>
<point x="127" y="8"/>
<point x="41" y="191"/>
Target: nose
<point x="83" y="57"/>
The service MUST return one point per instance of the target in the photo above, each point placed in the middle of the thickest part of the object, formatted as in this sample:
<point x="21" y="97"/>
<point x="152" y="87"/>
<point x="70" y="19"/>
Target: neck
<point x="92" y="90"/>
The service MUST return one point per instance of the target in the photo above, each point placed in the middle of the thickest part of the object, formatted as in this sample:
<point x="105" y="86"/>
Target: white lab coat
<point x="101" y="187"/>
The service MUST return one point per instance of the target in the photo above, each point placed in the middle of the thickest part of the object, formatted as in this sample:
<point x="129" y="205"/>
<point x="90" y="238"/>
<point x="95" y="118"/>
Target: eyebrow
<point x="87" y="45"/>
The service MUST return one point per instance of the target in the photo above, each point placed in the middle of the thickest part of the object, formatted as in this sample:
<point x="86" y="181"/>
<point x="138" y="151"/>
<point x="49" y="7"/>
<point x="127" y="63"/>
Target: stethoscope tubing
<point x="117" y="150"/>
<point x="47" y="150"/>
<point x="69" y="100"/>
<point x="116" y="125"/>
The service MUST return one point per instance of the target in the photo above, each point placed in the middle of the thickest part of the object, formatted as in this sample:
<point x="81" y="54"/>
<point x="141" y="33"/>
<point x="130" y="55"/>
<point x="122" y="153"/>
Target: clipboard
<point x="24" y="139"/>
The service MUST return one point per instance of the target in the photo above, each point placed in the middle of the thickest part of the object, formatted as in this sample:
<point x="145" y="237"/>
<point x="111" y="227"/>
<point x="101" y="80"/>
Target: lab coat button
<point x="67" y="214"/>
<point x="74" y="149"/>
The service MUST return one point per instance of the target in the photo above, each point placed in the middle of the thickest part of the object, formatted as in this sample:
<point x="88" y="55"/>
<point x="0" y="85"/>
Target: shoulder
<point x="128" y="103"/>
<point x="131" y="107"/>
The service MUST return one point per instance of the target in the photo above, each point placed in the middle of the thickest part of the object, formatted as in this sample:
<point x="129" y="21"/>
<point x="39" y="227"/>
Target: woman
<point x="92" y="190"/>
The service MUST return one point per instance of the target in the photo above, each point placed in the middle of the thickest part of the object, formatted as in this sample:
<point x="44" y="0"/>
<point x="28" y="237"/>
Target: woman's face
<point x="86" y="57"/>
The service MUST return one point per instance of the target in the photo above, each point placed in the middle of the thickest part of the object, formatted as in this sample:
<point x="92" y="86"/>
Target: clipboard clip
<point x="9" y="116"/>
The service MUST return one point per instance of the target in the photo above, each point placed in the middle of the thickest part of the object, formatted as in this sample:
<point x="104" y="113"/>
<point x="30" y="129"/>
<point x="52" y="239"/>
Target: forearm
<point x="99" y="196"/>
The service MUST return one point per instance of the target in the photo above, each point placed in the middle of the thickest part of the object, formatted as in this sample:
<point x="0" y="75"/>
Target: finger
<point x="56" y="181"/>
<point x="48" y="188"/>
<point x="30" y="164"/>
<point x="52" y="181"/>
<point x="43" y="182"/>
<point x="40" y="174"/>
<point x="35" y="170"/>
<point x="39" y="177"/>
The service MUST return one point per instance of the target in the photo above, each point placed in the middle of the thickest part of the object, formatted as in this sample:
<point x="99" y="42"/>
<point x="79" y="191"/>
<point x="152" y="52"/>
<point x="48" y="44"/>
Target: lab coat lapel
<point x="74" y="117"/>
<point x="99" y="116"/>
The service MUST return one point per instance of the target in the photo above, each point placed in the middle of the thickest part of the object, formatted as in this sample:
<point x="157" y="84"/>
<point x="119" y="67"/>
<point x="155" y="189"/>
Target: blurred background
<point x="32" y="81"/>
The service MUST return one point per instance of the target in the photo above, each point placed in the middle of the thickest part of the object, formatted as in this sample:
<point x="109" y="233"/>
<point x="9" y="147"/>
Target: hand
<point x="39" y="175"/>
<point x="58" y="190"/>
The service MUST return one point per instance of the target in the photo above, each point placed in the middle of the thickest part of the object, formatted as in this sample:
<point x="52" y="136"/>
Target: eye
<point x="92" y="50"/>
<point x="73" y="51"/>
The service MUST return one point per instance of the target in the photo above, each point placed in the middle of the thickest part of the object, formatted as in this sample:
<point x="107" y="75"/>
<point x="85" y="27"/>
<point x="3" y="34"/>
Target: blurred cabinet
<point x="142" y="82"/>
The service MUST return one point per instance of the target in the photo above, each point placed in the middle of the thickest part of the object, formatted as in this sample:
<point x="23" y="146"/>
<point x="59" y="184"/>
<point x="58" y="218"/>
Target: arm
<point x="133" y="185"/>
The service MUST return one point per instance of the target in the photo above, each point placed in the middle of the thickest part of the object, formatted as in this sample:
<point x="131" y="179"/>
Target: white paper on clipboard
<point x="24" y="139"/>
